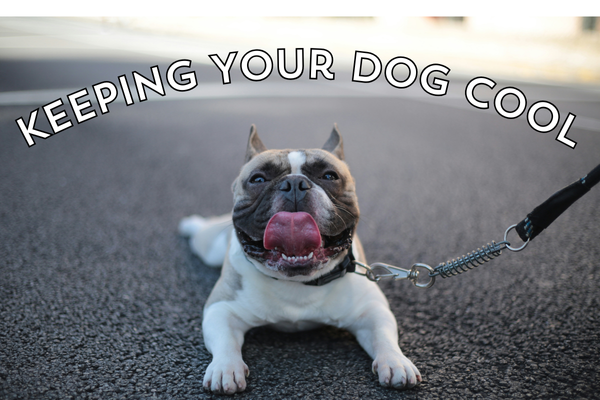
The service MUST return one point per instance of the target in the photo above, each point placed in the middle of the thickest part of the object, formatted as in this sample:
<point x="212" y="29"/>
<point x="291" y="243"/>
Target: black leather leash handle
<point x="543" y="215"/>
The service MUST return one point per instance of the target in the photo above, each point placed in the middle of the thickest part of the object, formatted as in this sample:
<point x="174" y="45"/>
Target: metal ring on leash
<point x="369" y="272"/>
<point x="414" y="276"/>
<point x="508" y="244"/>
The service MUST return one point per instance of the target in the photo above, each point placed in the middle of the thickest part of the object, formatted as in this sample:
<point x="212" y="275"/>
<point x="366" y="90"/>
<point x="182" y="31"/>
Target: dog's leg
<point x="208" y="237"/>
<point x="224" y="336"/>
<point x="377" y="332"/>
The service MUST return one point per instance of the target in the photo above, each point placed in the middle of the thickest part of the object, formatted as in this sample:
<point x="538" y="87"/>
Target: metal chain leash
<point x="381" y="271"/>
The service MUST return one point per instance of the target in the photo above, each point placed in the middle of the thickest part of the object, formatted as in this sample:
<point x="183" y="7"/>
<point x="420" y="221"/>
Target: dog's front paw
<point x="227" y="377"/>
<point x="397" y="371"/>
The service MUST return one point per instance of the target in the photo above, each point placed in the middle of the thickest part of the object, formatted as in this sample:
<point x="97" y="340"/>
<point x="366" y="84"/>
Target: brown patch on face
<point x="333" y="176"/>
<point x="254" y="189"/>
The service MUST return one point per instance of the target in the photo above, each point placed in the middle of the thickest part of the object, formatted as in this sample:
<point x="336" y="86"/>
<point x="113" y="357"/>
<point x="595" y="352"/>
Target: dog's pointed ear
<point x="335" y="144"/>
<point x="255" y="145"/>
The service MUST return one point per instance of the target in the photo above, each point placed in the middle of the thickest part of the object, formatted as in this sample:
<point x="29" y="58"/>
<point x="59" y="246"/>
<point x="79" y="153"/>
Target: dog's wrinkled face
<point x="295" y="210"/>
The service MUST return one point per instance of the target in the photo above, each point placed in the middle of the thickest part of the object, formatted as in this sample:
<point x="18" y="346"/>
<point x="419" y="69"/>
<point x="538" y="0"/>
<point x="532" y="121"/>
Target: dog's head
<point x="295" y="211"/>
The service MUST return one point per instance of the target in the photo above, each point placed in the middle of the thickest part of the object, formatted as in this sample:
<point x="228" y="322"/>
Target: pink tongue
<point x="296" y="233"/>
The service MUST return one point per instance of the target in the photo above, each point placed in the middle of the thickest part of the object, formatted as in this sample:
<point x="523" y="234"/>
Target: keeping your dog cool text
<point x="367" y="68"/>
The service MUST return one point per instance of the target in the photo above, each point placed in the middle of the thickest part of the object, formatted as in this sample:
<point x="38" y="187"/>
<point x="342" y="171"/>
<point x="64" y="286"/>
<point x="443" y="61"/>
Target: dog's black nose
<point x="295" y="188"/>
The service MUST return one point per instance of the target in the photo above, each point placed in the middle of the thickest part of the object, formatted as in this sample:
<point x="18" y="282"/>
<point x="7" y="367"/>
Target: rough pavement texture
<point x="100" y="299"/>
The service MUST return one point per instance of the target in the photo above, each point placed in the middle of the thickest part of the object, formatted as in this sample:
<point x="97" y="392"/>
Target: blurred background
<point x="557" y="49"/>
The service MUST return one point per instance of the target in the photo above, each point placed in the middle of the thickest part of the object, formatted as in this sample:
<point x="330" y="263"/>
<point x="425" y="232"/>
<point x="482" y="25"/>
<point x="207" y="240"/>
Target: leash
<point x="536" y="221"/>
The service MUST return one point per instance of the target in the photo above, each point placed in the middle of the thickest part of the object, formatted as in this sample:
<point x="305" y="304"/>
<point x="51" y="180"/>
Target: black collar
<point x="339" y="271"/>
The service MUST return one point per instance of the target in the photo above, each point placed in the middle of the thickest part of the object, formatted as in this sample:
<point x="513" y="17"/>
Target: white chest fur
<point x="263" y="300"/>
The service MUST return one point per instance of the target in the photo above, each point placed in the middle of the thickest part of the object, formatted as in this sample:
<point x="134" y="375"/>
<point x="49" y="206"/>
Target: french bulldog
<point x="285" y="250"/>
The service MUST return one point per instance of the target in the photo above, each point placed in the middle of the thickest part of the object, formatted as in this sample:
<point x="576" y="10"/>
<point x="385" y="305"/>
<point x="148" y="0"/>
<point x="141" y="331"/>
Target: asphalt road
<point x="100" y="298"/>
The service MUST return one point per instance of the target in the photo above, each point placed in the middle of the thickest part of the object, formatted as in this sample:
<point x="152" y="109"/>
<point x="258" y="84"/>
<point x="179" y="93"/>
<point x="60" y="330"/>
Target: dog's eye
<point x="330" y="176"/>
<point x="257" y="178"/>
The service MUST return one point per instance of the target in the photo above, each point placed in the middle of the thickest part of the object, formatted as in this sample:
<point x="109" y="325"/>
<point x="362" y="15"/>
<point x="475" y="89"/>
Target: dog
<point x="286" y="249"/>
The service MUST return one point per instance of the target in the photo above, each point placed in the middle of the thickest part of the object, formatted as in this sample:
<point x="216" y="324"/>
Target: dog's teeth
<point x="310" y="255"/>
<point x="284" y="256"/>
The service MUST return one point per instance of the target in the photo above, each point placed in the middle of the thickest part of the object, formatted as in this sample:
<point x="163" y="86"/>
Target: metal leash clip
<point x="379" y="271"/>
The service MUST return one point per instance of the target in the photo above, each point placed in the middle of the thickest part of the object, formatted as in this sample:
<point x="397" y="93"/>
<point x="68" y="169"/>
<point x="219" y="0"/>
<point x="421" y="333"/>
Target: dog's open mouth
<point x="293" y="244"/>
